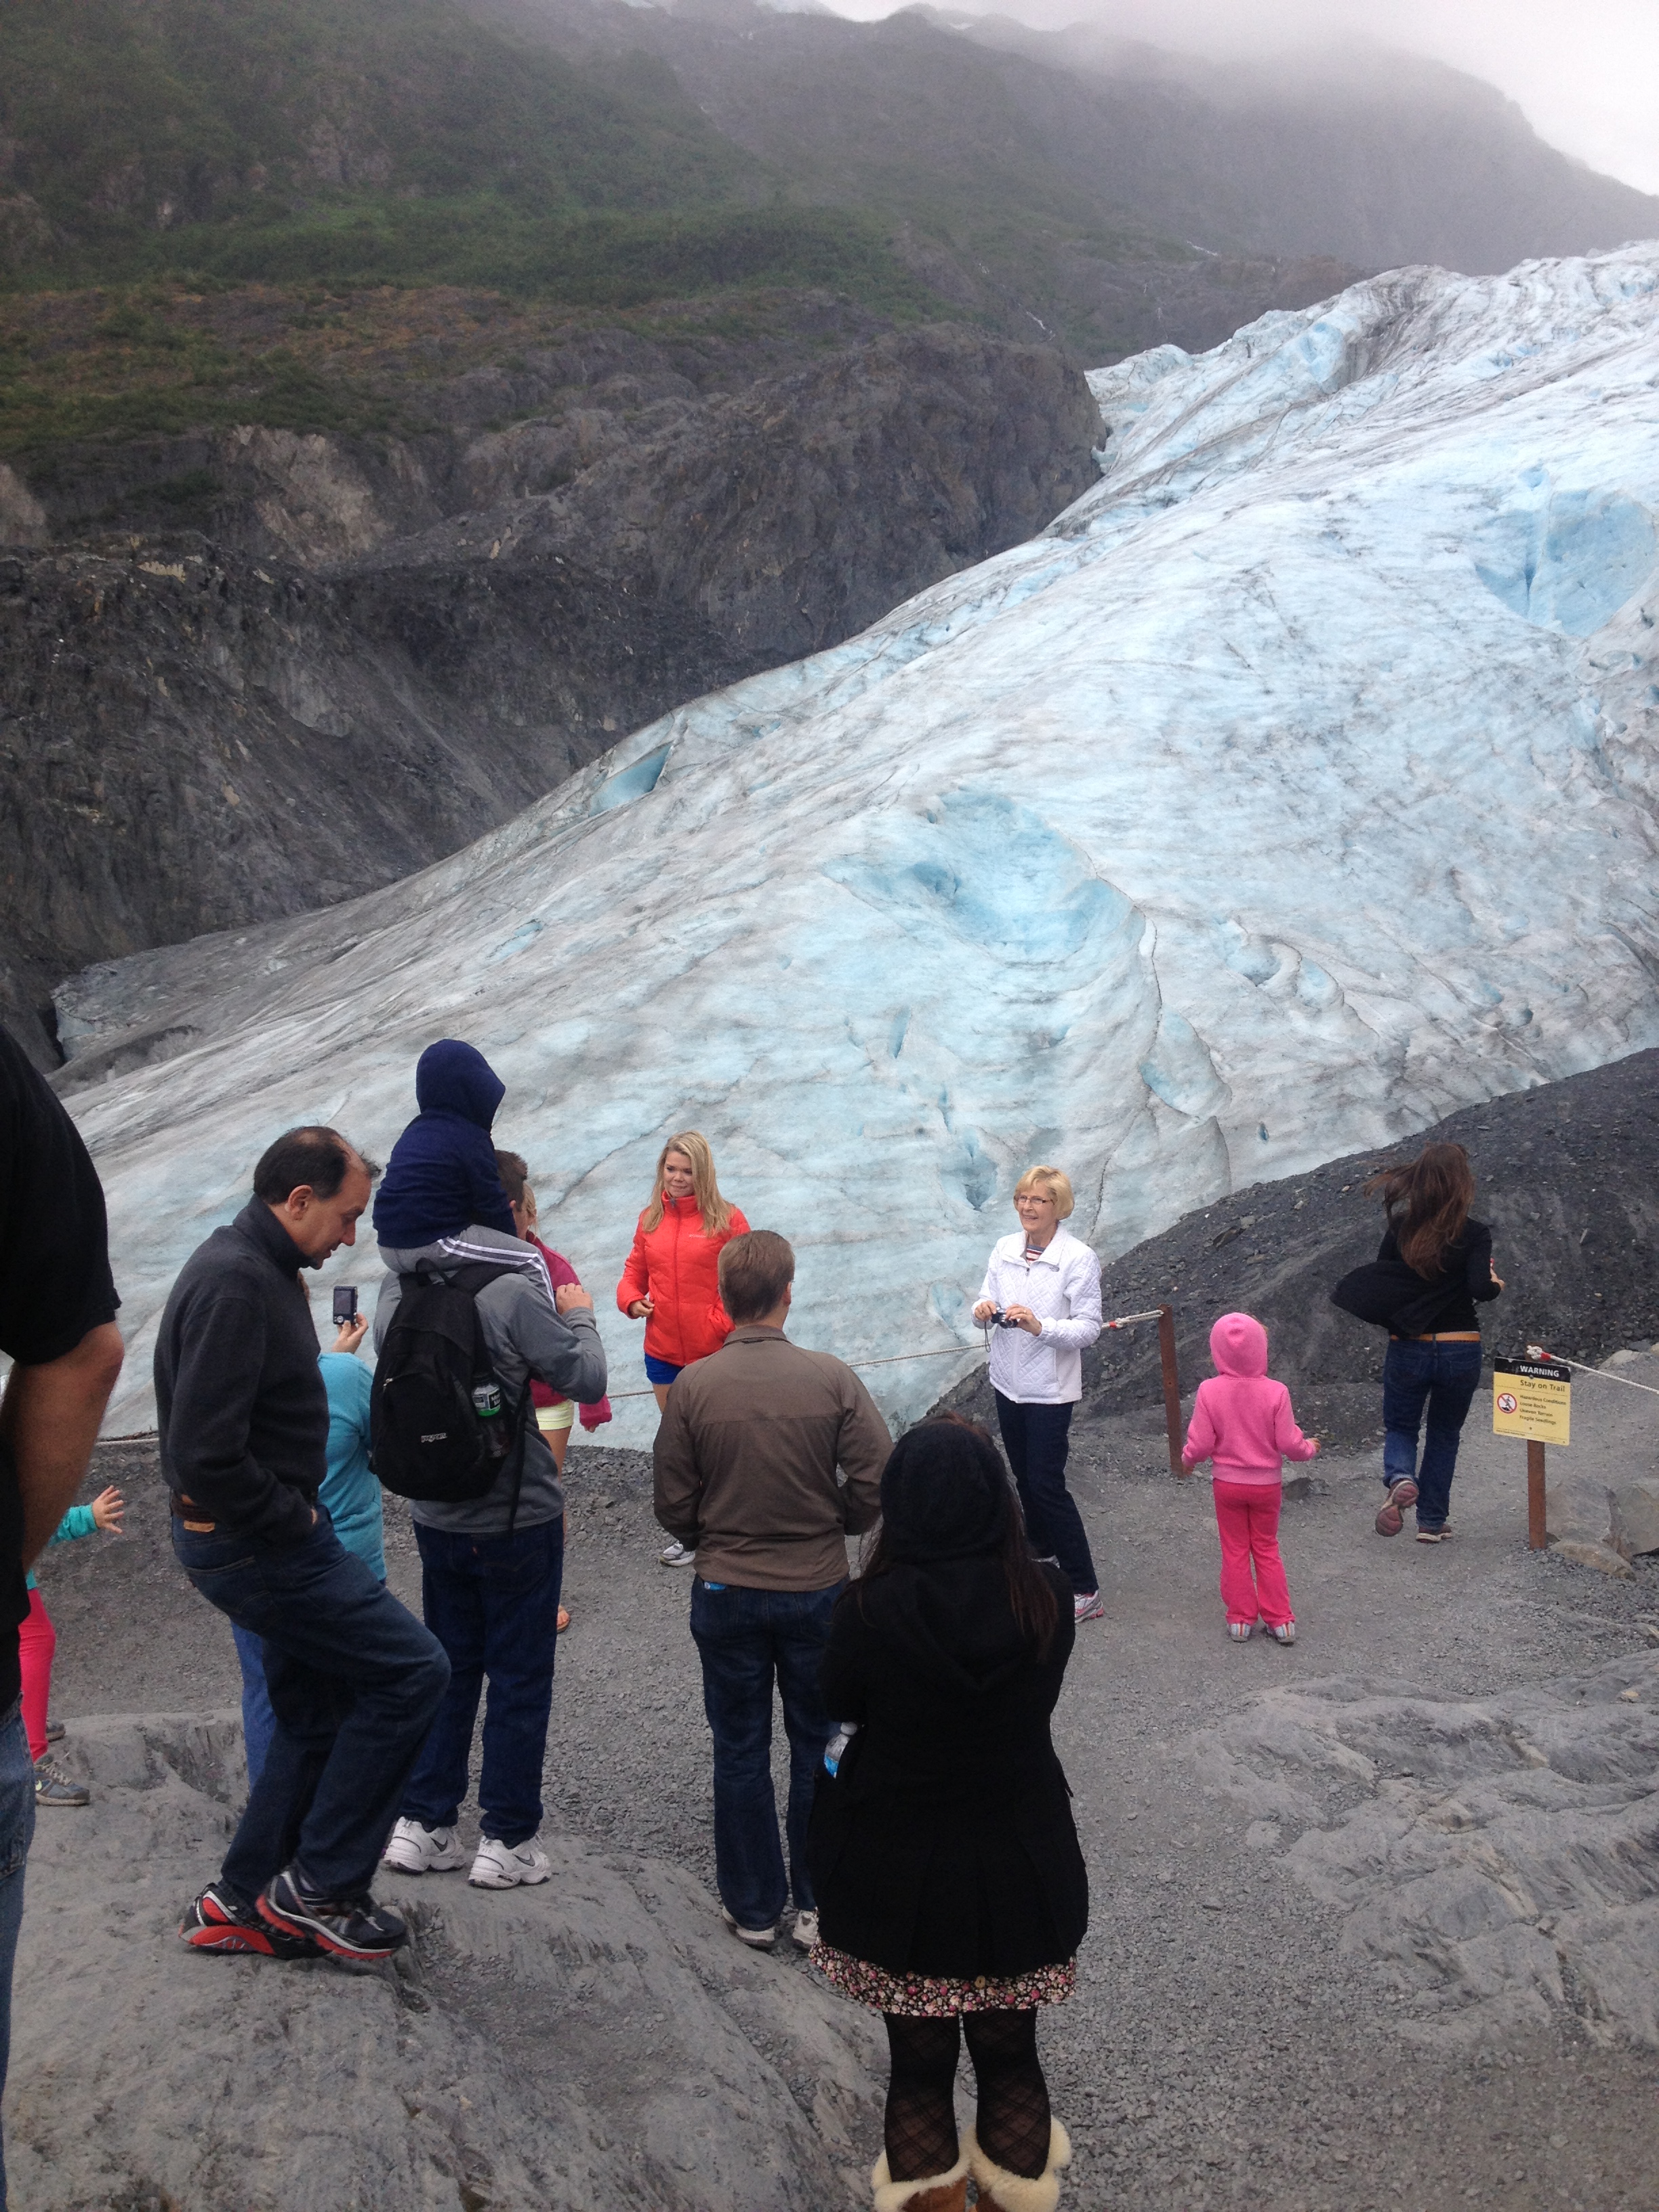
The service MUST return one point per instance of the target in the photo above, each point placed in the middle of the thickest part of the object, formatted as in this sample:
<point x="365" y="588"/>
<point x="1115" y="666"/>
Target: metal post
<point x="1166" y="1351"/>
<point x="1537" y="1534"/>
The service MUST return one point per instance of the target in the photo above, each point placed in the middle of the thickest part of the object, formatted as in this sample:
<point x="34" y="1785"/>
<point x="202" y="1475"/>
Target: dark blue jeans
<point x="258" y="1719"/>
<point x="354" y="1681"/>
<point x="1036" y="1439"/>
<point x="493" y="1603"/>
<point x="16" y="1832"/>
<point x="747" y="1639"/>
<point x="1442" y="1378"/>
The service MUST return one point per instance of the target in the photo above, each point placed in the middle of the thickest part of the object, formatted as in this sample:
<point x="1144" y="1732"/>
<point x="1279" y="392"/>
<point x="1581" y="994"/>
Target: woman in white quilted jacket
<point x="1042" y="1291"/>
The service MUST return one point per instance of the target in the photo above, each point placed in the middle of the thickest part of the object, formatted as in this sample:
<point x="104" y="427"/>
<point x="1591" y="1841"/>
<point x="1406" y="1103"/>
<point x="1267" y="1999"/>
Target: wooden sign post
<point x="1166" y="1351"/>
<point x="1533" y="1398"/>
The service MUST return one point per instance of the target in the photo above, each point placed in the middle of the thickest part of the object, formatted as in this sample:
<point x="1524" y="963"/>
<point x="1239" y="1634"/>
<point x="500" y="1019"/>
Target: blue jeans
<point x="493" y="1603"/>
<point x="353" y="1680"/>
<point x="747" y="1639"/>
<point x="1036" y="1439"/>
<point x="16" y="1832"/>
<point x="258" y="1719"/>
<point x="1444" y="1378"/>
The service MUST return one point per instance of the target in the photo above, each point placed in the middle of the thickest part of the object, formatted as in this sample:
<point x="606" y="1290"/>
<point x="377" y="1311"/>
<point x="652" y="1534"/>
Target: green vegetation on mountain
<point x="370" y="141"/>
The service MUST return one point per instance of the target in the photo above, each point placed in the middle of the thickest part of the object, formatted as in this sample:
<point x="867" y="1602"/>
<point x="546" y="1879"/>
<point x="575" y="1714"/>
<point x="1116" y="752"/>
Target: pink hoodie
<point x="1242" y="1417"/>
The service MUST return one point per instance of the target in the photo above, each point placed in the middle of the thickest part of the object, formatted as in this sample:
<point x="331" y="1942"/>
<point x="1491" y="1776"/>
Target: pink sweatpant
<point x="1246" y="1514"/>
<point x="37" y="1641"/>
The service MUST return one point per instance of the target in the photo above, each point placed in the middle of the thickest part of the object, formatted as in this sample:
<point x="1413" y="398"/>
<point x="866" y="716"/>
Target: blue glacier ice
<point x="1295" y="787"/>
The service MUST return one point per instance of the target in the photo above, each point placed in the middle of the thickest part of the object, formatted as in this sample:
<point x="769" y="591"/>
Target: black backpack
<point x="429" y="1437"/>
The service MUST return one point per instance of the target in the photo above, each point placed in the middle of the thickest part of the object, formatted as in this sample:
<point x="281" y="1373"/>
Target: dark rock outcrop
<point x="1564" y="1174"/>
<point x="198" y="732"/>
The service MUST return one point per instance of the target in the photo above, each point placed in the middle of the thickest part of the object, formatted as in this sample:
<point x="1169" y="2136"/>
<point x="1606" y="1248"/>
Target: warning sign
<point x="1533" y="1400"/>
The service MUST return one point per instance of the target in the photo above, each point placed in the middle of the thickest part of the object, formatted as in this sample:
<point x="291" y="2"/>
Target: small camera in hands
<point x="345" y="1305"/>
<point x="1000" y="1320"/>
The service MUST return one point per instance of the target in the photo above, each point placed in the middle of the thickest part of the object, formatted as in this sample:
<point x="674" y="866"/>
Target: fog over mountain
<point x="1582" y="71"/>
<point x="976" y="125"/>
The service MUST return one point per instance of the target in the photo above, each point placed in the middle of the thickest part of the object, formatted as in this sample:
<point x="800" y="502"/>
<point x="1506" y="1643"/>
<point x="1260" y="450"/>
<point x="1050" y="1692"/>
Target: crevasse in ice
<point x="1293" y="788"/>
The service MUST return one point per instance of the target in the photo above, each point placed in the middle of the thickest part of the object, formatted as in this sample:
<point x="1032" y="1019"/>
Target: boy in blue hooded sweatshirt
<point x="442" y="1175"/>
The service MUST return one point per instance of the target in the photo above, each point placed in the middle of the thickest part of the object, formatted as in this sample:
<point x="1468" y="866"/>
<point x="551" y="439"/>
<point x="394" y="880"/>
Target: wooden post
<point x="1537" y="1535"/>
<point x="1166" y="1350"/>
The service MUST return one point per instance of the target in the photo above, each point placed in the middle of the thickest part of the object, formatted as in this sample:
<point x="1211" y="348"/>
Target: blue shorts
<point x="660" y="1371"/>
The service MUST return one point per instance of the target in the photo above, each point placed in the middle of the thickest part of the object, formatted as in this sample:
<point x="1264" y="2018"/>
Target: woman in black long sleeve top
<point x="951" y="1891"/>
<point x="1433" y="1363"/>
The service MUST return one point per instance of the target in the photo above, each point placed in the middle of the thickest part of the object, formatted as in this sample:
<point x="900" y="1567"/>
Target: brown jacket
<point x="746" y="1459"/>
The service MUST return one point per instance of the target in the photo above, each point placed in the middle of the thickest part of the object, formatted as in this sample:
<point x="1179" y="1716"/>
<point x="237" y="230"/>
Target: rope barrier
<point x="1602" y="1373"/>
<point x="893" y="1360"/>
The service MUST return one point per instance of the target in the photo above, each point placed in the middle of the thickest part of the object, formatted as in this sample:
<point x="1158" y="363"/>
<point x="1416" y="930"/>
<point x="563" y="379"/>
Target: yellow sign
<point x="1533" y="1400"/>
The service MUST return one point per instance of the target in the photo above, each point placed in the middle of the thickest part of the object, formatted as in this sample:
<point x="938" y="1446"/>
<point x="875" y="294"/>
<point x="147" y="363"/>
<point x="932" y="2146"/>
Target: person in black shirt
<point x="1436" y="1368"/>
<point x="354" y="1678"/>
<point x="57" y="1307"/>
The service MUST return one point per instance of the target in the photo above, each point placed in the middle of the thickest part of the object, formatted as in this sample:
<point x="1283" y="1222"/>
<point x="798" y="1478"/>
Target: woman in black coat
<point x="1443" y="1255"/>
<point x="951" y="1891"/>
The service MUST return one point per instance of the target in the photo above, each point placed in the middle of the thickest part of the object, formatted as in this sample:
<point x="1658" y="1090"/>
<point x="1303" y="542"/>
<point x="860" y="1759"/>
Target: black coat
<point x="239" y="1398"/>
<point x="945" y="1844"/>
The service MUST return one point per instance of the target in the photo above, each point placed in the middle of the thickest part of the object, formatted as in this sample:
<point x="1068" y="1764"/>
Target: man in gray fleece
<point x="490" y="1576"/>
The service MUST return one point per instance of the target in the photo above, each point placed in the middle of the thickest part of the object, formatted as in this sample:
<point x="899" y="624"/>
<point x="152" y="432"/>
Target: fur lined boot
<point x="1002" y="2192"/>
<point x="938" y="2192"/>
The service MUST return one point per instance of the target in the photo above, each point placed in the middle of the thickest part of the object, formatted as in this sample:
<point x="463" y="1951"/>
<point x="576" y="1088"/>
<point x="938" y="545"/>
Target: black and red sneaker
<point x="349" y="1926"/>
<point x="219" y="1921"/>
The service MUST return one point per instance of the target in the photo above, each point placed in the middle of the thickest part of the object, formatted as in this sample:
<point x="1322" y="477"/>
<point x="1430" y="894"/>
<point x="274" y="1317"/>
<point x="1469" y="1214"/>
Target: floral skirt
<point x="930" y="1996"/>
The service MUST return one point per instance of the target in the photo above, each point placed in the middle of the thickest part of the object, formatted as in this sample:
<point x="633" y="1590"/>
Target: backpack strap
<point x="473" y="1276"/>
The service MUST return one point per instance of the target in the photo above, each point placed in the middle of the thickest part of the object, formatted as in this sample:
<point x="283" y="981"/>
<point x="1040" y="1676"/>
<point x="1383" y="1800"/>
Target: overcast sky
<point x="1585" y="71"/>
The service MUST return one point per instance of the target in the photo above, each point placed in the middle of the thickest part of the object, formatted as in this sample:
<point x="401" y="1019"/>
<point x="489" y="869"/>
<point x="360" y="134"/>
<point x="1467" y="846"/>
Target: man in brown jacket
<point x="745" y="1474"/>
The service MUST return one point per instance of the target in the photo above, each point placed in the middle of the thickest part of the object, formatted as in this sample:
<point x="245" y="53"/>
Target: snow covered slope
<point x="1296" y="787"/>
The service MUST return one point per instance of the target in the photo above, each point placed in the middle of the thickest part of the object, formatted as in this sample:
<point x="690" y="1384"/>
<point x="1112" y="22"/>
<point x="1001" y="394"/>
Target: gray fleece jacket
<point x="526" y="1336"/>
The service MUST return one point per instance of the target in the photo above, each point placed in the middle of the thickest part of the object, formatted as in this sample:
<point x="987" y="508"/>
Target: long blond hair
<point x="716" y="1213"/>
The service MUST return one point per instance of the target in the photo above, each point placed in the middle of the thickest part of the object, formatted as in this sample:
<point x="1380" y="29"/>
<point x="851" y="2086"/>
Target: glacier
<point x="1294" y="787"/>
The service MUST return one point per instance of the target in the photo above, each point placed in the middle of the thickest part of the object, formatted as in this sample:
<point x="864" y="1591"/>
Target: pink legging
<point x="37" y="1641"/>
<point x="1246" y="1514"/>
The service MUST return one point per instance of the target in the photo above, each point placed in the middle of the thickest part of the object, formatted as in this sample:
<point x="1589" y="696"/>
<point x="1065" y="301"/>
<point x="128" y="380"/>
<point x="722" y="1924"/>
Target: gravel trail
<point x="1232" y="2038"/>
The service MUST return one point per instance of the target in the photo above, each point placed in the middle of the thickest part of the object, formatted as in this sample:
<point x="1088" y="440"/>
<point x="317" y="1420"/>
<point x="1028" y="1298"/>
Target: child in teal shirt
<point x="37" y="1643"/>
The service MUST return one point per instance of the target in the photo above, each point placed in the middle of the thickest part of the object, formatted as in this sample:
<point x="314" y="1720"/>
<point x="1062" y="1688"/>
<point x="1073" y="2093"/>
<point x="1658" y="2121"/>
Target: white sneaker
<point x="757" y="1939"/>
<point x="1089" y="1606"/>
<point x="677" y="1555"/>
<point x="414" y="1850"/>
<point x="504" y="1866"/>
<point x="806" y="1929"/>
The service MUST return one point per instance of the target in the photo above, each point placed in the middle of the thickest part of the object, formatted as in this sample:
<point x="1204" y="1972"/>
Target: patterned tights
<point x="1013" y="2125"/>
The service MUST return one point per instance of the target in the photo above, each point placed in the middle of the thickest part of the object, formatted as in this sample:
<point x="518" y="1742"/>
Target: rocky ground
<point x="1375" y="1920"/>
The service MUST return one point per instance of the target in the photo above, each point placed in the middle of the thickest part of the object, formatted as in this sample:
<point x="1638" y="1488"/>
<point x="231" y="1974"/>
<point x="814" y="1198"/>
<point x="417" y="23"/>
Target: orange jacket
<point x="678" y="1268"/>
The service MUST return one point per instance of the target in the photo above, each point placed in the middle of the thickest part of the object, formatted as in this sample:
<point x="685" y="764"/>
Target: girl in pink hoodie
<point x="1242" y="1420"/>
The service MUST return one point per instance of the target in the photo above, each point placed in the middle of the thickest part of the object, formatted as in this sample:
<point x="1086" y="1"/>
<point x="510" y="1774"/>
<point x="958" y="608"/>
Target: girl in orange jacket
<point x="672" y="1281"/>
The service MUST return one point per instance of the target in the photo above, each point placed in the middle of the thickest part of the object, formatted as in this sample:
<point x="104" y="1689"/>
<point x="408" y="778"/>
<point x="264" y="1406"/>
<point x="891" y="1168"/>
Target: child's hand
<point x="1314" y="1441"/>
<point x="108" y="1508"/>
<point x="1185" y="1468"/>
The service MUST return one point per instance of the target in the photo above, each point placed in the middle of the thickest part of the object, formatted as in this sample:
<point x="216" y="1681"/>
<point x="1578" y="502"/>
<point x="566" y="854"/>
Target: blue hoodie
<point x="442" y="1175"/>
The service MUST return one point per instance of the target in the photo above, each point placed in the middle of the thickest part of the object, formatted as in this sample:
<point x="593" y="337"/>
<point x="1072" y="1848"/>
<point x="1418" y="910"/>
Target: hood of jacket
<point x="451" y="1078"/>
<point x="949" y="1625"/>
<point x="1238" y="1344"/>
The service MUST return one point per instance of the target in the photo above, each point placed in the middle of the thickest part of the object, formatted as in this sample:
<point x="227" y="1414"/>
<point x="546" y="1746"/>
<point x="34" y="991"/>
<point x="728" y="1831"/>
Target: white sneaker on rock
<point x="677" y="1555"/>
<point x="757" y="1939"/>
<point x="414" y="1850"/>
<point x="806" y="1929"/>
<point x="504" y="1866"/>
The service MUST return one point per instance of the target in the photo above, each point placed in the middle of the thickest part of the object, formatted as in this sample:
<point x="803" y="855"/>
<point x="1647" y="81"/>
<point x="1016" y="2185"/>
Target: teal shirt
<point x="78" y="1521"/>
<point x="350" y="1490"/>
